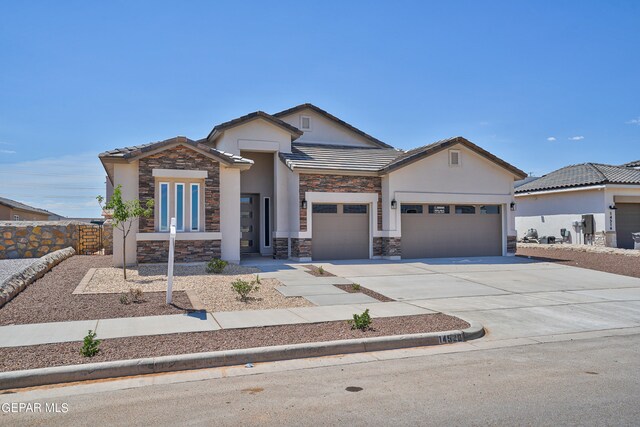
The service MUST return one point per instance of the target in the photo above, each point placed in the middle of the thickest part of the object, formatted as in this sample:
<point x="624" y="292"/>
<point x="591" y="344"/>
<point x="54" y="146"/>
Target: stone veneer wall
<point x="185" y="250"/>
<point x="391" y="246"/>
<point x="339" y="184"/>
<point x="512" y="243"/>
<point x="280" y="248"/>
<point x="34" y="239"/>
<point x="183" y="158"/>
<point x="301" y="248"/>
<point x="107" y="237"/>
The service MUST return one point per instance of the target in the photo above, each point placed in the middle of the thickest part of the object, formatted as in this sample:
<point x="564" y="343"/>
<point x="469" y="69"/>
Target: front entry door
<point x="249" y="204"/>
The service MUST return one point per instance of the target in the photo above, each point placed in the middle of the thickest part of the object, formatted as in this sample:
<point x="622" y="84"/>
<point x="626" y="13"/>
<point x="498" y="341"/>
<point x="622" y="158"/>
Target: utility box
<point x="589" y="224"/>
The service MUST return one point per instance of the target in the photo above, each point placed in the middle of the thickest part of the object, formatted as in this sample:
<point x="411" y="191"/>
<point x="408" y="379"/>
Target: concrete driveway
<point x="512" y="297"/>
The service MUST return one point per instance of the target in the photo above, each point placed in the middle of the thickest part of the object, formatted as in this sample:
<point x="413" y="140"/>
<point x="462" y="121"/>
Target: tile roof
<point x="17" y="205"/>
<point x="333" y="118"/>
<point x="635" y="164"/>
<point x="427" y="150"/>
<point x="334" y="157"/>
<point x="138" y="150"/>
<point x="582" y="175"/>
<point x="218" y="129"/>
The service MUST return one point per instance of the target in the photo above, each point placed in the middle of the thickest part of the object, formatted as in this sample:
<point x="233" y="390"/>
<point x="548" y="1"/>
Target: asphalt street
<point x="581" y="382"/>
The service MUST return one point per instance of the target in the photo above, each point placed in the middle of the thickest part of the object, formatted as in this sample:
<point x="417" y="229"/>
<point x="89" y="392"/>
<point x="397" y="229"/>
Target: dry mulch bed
<point x="366" y="291"/>
<point x="30" y="357"/>
<point x="610" y="263"/>
<point x="50" y="298"/>
<point x="315" y="271"/>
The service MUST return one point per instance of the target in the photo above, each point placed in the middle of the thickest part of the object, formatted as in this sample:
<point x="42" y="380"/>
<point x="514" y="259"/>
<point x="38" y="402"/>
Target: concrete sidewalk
<point x="57" y="332"/>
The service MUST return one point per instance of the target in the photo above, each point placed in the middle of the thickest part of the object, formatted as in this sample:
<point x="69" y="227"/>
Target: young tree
<point x="124" y="213"/>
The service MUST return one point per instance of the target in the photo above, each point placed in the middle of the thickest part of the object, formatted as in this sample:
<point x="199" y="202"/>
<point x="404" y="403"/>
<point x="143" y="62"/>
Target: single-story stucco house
<point x="10" y="210"/>
<point x="305" y="185"/>
<point x="560" y="200"/>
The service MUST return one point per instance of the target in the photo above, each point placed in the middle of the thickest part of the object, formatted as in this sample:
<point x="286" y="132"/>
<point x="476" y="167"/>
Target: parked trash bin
<point x="636" y="239"/>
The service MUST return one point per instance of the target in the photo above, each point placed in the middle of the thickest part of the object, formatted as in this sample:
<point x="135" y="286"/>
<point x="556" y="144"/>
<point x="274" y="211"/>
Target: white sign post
<point x="172" y="243"/>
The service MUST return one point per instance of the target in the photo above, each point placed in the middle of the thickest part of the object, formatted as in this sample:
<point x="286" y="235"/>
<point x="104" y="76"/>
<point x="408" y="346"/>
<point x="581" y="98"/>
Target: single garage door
<point x="432" y="231"/>
<point x="627" y="222"/>
<point x="340" y="231"/>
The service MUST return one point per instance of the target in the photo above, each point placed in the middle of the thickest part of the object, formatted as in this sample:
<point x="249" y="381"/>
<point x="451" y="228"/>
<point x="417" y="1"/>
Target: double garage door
<point x="432" y="231"/>
<point x="340" y="231"/>
<point x="627" y="222"/>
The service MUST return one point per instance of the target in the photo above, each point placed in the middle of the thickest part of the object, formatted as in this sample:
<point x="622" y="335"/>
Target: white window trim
<point x="16" y="217"/>
<point x="197" y="210"/>
<point x="160" y="184"/>
<point x="175" y="204"/>
<point x="459" y="158"/>
<point x="302" y="120"/>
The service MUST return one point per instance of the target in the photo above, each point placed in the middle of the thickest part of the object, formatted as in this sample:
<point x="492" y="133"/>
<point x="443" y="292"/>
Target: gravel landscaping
<point x="350" y="288"/>
<point x="17" y="358"/>
<point x="50" y="298"/>
<point x="214" y="291"/>
<point x="8" y="267"/>
<point x="607" y="262"/>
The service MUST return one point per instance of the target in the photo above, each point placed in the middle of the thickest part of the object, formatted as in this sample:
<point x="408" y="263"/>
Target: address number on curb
<point x="447" y="339"/>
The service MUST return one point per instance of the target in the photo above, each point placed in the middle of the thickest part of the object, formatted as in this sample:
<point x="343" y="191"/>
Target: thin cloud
<point x="66" y="185"/>
<point x="551" y="138"/>
<point x="7" y="152"/>
<point x="634" y="121"/>
<point x="576" y="138"/>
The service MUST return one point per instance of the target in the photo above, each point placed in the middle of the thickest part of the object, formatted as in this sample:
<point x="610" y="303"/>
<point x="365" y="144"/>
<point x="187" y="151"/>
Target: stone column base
<point x="185" y="250"/>
<point x="512" y="245"/>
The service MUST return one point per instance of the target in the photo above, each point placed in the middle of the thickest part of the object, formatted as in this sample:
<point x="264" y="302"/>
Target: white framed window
<point x="305" y="123"/>
<point x="16" y="217"/>
<point x="179" y="206"/>
<point x="163" y="207"/>
<point x="195" y="207"/>
<point x="454" y="158"/>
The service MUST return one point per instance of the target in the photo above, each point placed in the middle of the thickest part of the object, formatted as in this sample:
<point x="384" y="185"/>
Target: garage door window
<point x="490" y="209"/>
<point x="328" y="209"/>
<point x="439" y="209"/>
<point x="411" y="209"/>
<point x="465" y="209"/>
<point x="354" y="209"/>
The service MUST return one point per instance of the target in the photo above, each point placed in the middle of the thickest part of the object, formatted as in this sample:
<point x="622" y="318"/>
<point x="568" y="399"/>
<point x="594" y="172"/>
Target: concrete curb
<point x="124" y="368"/>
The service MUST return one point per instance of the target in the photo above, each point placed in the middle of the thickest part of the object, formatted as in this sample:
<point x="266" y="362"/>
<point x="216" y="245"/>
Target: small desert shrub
<point x="136" y="295"/>
<point x="320" y="270"/>
<point x="216" y="266"/>
<point x="361" y="321"/>
<point x="244" y="288"/>
<point x="124" y="299"/>
<point x="355" y="287"/>
<point x="90" y="346"/>
<point x="257" y="279"/>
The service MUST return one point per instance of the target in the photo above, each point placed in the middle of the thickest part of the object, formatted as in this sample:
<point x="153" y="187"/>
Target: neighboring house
<point x="303" y="184"/>
<point x="10" y="210"/>
<point x="559" y="200"/>
<point x="634" y="165"/>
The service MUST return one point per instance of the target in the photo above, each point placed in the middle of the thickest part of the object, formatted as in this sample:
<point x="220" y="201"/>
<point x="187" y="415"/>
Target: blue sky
<point x="540" y="84"/>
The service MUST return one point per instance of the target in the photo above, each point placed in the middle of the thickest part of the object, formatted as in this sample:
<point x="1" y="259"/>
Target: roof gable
<point x="334" y="120"/>
<point x="420" y="153"/>
<point x="218" y="130"/>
